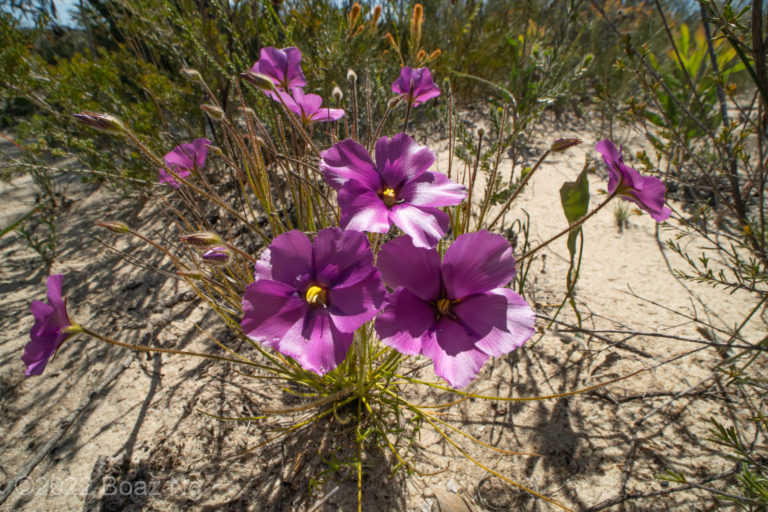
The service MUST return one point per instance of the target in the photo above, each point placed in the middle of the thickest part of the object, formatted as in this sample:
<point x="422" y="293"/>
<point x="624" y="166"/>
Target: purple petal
<point x="54" y="283"/>
<point x="402" y="85"/>
<point x="401" y="159"/>
<point x="476" y="263"/>
<point x="500" y="320"/>
<point x="317" y="344"/>
<point x="291" y="258"/>
<point x="433" y="189"/>
<point x="405" y="322"/>
<point x="262" y="269"/>
<point x="425" y="225"/>
<point x="168" y="178"/>
<point x="352" y="306"/>
<point x="200" y="151"/>
<point x="282" y="66"/>
<point x="348" y="160"/>
<point x="362" y="209"/>
<point x="270" y="310"/>
<point x="416" y="269"/>
<point x="327" y="114"/>
<point x="454" y="354"/>
<point x="287" y="99"/>
<point x="341" y="258"/>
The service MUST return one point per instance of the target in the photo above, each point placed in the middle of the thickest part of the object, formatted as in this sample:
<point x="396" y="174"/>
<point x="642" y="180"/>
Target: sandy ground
<point x="135" y="437"/>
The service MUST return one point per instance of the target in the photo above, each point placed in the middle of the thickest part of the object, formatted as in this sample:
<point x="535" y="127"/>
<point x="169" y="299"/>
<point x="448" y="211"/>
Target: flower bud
<point x="563" y="144"/>
<point x="481" y="132"/>
<point x="375" y="16"/>
<point x="337" y="94"/>
<point x="115" y="226"/>
<point x="421" y="55"/>
<point x="201" y="239"/>
<point x="192" y="74"/>
<point x="191" y="275"/>
<point x="217" y="255"/>
<point x="216" y="149"/>
<point x="351" y="76"/>
<point x="258" y="80"/>
<point x="359" y="30"/>
<point x="72" y="329"/>
<point x="100" y="121"/>
<point x="215" y="113"/>
<point x="391" y="40"/>
<point x="432" y="56"/>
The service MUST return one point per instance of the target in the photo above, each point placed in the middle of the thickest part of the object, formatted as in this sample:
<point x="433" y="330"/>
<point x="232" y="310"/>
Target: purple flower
<point x="456" y="313"/>
<point x="50" y="328"/>
<point x="647" y="192"/>
<point x="415" y="85"/>
<point x="308" y="106"/>
<point x="283" y="67"/>
<point x="309" y="297"/>
<point x="397" y="189"/>
<point x="183" y="159"/>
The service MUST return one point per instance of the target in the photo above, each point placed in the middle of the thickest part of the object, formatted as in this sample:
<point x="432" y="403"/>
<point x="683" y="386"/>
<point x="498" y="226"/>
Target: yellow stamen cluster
<point x="389" y="196"/>
<point x="316" y="295"/>
<point x="444" y="306"/>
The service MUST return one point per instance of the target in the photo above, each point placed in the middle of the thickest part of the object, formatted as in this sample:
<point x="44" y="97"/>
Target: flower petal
<point x="425" y="225"/>
<point x="476" y="263"/>
<point x="401" y="159"/>
<point x="433" y="189"/>
<point x="405" y="322"/>
<point x="352" y="306"/>
<point x="291" y="258"/>
<point x="270" y="310"/>
<point x="416" y="269"/>
<point x="454" y="354"/>
<point x="317" y="344"/>
<point x="348" y="160"/>
<point x="500" y="320"/>
<point x="362" y="209"/>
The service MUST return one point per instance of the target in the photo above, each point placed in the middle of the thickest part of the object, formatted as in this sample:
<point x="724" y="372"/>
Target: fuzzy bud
<point x="354" y="14"/>
<point x="216" y="150"/>
<point x="391" y="40"/>
<point x="563" y="144"/>
<point x="202" y="239"/>
<point x="352" y="76"/>
<point x="258" y="80"/>
<point x="100" y="121"/>
<point x="337" y="94"/>
<point x="435" y="54"/>
<point x="359" y="30"/>
<point x="115" y="226"/>
<point x="214" y="112"/>
<point x="421" y="55"/>
<point x="217" y="255"/>
<point x="192" y="74"/>
<point x="481" y="132"/>
<point x="375" y="16"/>
<point x="197" y="276"/>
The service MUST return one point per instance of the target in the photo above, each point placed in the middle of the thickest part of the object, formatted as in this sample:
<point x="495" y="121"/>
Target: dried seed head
<point x="352" y="76"/>
<point x="337" y="94"/>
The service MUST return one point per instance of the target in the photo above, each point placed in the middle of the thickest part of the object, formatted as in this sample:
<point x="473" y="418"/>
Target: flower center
<point x="444" y="306"/>
<point x="389" y="196"/>
<point x="316" y="295"/>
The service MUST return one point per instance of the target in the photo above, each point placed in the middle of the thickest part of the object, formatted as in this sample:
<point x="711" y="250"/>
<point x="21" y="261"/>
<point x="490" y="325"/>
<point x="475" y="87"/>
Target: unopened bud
<point x="481" y="132"/>
<point x="258" y="80"/>
<point x="115" y="226"/>
<point x="192" y="74"/>
<point x="563" y="144"/>
<point x="215" y="113"/>
<point x="72" y="329"/>
<point x="351" y="76"/>
<point x="391" y="40"/>
<point x="216" y="149"/>
<point x="201" y="239"/>
<point x="422" y="53"/>
<point x="435" y="54"/>
<point x="337" y="94"/>
<point x="104" y="122"/>
<point x="359" y="30"/>
<point x="217" y="255"/>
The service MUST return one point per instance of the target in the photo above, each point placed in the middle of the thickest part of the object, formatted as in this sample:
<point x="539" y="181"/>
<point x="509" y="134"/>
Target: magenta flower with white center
<point x="309" y="107"/>
<point x="183" y="159"/>
<point x="398" y="189"/>
<point x="283" y="67"/>
<point x="647" y="192"/>
<point x="52" y="326"/>
<point x="415" y="85"/>
<point x="309" y="297"/>
<point x="457" y="312"/>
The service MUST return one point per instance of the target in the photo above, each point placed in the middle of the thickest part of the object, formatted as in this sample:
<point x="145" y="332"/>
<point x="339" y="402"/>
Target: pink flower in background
<point x="183" y="159"/>
<point x="647" y="192"/>
<point x="309" y="297"/>
<point x="415" y="85"/>
<point x="50" y="328"/>
<point x="309" y="107"/>
<point x="457" y="313"/>
<point x="397" y="189"/>
<point x="283" y="67"/>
